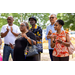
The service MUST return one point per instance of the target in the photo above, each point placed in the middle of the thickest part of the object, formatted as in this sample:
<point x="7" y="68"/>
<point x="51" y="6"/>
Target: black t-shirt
<point x="20" y="45"/>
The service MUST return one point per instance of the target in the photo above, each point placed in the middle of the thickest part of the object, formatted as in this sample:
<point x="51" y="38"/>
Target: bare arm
<point x="49" y="34"/>
<point x="29" y="40"/>
<point x="68" y="41"/>
<point x="52" y="43"/>
<point x="37" y="38"/>
<point x="4" y="34"/>
<point x="15" y="34"/>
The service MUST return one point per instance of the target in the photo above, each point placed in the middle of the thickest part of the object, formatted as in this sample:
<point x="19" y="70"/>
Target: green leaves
<point x="42" y="18"/>
<point x="69" y="19"/>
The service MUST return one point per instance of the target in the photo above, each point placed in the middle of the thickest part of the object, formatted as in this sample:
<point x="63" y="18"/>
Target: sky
<point x="54" y="13"/>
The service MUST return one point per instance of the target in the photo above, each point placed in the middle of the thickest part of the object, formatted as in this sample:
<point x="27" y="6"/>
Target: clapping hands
<point x="11" y="29"/>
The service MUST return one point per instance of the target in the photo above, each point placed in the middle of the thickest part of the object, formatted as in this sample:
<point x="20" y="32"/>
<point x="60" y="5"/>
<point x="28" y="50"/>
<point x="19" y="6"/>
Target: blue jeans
<point x="50" y="53"/>
<point x="6" y="52"/>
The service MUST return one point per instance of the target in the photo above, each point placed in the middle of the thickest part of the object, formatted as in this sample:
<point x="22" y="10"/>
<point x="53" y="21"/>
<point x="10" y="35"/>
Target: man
<point x="9" y="32"/>
<point x="49" y="30"/>
<point x="38" y="33"/>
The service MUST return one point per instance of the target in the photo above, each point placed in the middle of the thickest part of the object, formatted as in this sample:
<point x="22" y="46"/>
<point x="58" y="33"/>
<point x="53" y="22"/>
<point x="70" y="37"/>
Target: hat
<point x="33" y="18"/>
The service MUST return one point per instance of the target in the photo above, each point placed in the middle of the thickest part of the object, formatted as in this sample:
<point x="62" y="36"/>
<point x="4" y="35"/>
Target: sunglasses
<point x="8" y="19"/>
<point x="52" y="17"/>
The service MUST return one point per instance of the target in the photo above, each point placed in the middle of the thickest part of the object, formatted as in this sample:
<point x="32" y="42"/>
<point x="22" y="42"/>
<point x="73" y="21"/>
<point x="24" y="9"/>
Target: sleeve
<point x="32" y="36"/>
<point x="39" y="32"/>
<point x="3" y="30"/>
<point x="46" y="33"/>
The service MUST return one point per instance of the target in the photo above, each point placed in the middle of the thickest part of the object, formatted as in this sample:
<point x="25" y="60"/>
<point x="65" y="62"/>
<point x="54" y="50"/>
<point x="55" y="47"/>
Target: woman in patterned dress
<point x="60" y="41"/>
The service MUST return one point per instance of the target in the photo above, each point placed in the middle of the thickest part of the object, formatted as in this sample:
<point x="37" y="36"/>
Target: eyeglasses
<point x="52" y="17"/>
<point x="8" y="19"/>
<point x="22" y="25"/>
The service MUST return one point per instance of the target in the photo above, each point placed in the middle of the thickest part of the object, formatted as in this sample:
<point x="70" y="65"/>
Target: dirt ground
<point x="46" y="57"/>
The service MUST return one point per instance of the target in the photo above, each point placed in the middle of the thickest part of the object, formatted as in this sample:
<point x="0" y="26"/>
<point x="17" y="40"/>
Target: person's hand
<point x="59" y="41"/>
<point x="11" y="29"/>
<point x="50" y="32"/>
<point x="49" y="36"/>
<point x="7" y="29"/>
<point x="24" y="35"/>
<point x="11" y="46"/>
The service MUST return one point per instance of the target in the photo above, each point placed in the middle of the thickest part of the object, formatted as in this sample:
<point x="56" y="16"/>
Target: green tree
<point x="42" y="18"/>
<point x="69" y="19"/>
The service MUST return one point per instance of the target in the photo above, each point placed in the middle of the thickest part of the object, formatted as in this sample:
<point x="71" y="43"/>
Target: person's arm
<point x="53" y="41"/>
<point x="49" y="34"/>
<point x="15" y="34"/>
<point x="12" y="46"/>
<point x="29" y="39"/>
<point x="5" y="33"/>
<point x="38" y="38"/>
<point x="39" y="34"/>
<point x="67" y="43"/>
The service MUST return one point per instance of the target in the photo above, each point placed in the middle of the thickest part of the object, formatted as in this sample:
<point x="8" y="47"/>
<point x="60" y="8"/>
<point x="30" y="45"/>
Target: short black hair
<point x="61" y="22"/>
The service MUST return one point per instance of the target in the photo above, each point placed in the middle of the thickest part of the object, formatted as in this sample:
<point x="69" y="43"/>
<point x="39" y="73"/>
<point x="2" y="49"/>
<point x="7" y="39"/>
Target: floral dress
<point x="60" y="50"/>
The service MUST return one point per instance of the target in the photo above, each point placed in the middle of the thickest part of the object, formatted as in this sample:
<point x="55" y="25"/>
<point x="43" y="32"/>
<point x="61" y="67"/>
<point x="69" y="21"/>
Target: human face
<point x="10" y="20"/>
<point x="32" y="21"/>
<point x="52" y="19"/>
<point x="57" y="26"/>
<point x="22" y="27"/>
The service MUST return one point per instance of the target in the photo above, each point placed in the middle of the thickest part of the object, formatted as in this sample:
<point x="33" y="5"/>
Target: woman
<point x="21" y="43"/>
<point x="60" y="41"/>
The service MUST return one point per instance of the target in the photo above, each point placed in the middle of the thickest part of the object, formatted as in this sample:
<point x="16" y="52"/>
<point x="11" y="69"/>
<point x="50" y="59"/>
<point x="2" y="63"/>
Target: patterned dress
<point x="60" y="50"/>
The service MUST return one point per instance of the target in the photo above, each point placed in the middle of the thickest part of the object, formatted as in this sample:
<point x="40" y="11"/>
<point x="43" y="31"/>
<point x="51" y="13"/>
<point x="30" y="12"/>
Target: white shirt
<point x="10" y="38"/>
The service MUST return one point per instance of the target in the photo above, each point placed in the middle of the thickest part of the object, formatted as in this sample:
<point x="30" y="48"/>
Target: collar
<point x="51" y="25"/>
<point x="34" y="28"/>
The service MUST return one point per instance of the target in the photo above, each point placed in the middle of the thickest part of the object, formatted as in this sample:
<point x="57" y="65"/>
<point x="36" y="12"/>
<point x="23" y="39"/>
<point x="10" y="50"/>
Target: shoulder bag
<point x="30" y="50"/>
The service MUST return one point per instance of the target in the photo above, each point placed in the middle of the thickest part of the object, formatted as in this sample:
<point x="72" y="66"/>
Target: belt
<point x="7" y="44"/>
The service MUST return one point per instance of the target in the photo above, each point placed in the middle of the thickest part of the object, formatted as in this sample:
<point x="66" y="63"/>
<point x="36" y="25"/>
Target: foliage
<point x="69" y="19"/>
<point x="42" y="18"/>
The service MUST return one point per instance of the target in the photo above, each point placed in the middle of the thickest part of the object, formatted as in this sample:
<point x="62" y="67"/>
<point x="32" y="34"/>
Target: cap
<point x="33" y="18"/>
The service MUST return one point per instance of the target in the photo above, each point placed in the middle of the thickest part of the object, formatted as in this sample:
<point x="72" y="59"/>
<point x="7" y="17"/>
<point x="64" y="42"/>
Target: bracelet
<point x="28" y="38"/>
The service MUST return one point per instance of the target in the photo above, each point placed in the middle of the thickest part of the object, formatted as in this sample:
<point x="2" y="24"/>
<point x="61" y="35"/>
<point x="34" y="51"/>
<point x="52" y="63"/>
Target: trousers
<point x="6" y="52"/>
<point x="50" y="53"/>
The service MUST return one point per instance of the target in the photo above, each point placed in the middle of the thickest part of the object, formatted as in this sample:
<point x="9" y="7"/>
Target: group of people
<point x="15" y="41"/>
